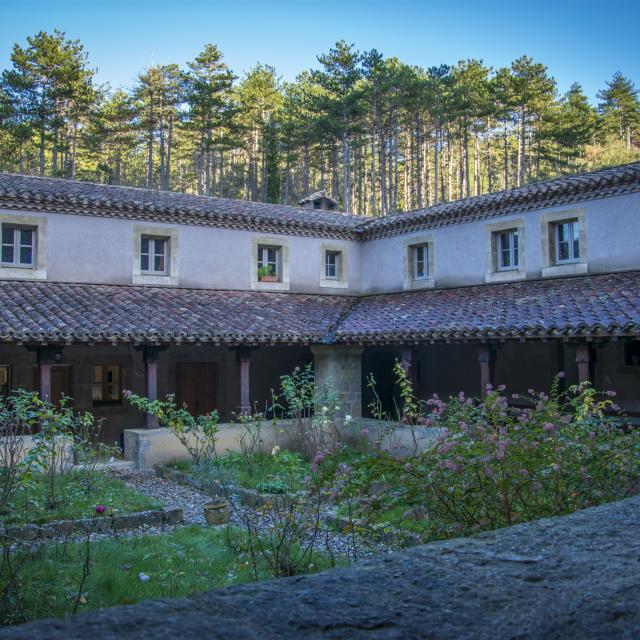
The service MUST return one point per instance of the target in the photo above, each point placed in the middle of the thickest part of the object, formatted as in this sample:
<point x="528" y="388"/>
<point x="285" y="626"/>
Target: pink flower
<point x="548" y="426"/>
<point x="365" y="432"/>
<point x="100" y="509"/>
<point x="611" y="394"/>
<point x="561" y="374"/>
<point x="407" y="467"/>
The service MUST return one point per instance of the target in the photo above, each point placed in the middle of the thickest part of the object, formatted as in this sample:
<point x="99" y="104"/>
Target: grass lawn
<point x="268" y="473"/>
<point x="186" y="561"/>
<point x="76" y="496"/>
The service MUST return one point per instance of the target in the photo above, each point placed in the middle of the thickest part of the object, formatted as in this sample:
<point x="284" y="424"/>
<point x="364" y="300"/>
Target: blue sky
<point x="584" y="41"/>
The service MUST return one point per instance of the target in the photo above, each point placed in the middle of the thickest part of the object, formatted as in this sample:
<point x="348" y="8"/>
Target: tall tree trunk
<point x="346" y="167"/>
<point x="476" y="166"/>
<point x="436" y="163"/>
<point x="74" y="140"/>
<point x="306" y="187"/>
<point x="167" y="169"/>
<point x="521" y="147"/>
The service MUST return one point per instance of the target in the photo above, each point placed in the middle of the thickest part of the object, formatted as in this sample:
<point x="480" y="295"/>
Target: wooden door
<point x="61" y="383"/>
<point x="196" y="386"/>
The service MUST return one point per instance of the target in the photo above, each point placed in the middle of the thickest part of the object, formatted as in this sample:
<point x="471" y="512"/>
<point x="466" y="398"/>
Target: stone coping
<point x="98" y="524"/>
<point x="214" y="488"/>
<point x="574" y="576"/>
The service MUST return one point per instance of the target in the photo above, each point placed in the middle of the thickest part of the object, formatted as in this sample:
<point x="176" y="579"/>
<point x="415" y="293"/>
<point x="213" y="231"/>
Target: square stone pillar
<point x="341" y="368"/>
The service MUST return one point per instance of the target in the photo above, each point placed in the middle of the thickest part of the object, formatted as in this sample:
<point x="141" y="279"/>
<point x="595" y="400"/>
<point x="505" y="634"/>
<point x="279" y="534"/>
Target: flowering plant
<point x="495" y="464"/>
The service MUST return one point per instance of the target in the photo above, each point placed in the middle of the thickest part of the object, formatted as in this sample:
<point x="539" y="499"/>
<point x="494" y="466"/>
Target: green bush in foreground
<point x="494" y="464"/>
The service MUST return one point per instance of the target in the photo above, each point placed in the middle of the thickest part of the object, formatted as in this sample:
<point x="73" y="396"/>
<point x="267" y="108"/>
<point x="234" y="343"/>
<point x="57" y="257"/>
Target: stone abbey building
<point x="105" y="288"/>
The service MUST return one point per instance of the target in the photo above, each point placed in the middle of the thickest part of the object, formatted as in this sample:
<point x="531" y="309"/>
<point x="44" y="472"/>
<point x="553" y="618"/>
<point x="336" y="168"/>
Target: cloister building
<point x="105" y="288"/>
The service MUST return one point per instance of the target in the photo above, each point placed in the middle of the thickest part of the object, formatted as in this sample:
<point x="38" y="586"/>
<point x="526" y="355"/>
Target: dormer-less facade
<point x="418" y="285"/>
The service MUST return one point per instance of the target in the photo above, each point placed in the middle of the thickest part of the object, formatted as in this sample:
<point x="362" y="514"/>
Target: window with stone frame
<point x="333" y="265"/>
<point x="18" y="246"/>
<point x="566" y="241"/>
<point x="107" y="384"/>
<point x="419" y="259"/>
<point x="154" y="254"/>
<point x="507" y="250"/>
<point x="4" y="381"/>
<point x="269" y="263"/>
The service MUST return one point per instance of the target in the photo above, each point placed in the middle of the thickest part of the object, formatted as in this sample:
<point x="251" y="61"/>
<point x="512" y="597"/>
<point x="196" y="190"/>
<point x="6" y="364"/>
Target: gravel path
<point x="191" y="501"/>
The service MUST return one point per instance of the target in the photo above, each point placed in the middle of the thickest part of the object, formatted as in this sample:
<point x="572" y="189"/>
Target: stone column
<point x="151" y="357"/>
<point x="243" y="355"/>
<point x="341" y="368"/>
<point x="583" y="360"/>
<point x="486" y="358"/>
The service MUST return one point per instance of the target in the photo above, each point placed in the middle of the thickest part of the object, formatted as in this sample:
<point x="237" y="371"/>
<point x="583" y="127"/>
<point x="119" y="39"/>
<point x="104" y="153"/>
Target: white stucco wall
<point x="102" y="250"/>
<point x="462" y="254"/>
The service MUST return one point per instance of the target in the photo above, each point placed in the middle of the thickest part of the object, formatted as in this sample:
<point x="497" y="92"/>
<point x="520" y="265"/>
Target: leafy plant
<point x="197" y="434"/>
<point x="495" y="464"/>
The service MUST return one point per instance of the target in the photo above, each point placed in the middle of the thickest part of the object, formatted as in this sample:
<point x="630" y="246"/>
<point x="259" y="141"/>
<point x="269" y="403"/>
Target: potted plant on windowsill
<point x="267" y="274"/>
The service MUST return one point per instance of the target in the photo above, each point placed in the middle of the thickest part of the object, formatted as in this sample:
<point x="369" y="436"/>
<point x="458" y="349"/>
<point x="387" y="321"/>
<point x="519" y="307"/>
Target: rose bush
<point x="495" y="464"/>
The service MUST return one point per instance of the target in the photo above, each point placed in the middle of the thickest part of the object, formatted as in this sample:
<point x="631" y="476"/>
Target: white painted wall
<point x="101" y="250"/>
<point x="461" y="252"/>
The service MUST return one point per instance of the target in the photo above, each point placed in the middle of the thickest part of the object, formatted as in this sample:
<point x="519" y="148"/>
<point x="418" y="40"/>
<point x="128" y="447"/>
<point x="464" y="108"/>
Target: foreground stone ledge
<point x="101" y="524"/>
<point x="577" y="576"/>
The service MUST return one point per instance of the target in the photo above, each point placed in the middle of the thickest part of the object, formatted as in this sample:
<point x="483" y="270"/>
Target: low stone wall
<point x="149" y="448"/>
<point x="217" y="489"/>
<point x="101" y="524"/>
<point x="576" y="576"/>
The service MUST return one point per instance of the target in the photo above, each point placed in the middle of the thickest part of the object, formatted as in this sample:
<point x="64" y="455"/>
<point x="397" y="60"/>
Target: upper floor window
<point x="107" y="384"/>
<point x="420" y="261"/>
<point x="333" y="265"/>
<point x="507" y="250"/>
<point x="18" y="246"/>
<point x="153" y="255"/>
<point x="4" y="381"/>
<point x="567" y="241"/>
<point x="269" y="263"/>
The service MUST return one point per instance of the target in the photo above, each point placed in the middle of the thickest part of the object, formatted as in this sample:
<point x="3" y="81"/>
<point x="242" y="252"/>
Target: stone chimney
<point x="319" y="201"/>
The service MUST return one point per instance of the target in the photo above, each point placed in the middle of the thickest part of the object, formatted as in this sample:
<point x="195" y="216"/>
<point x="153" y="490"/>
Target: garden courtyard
<point x="304" y="487"/>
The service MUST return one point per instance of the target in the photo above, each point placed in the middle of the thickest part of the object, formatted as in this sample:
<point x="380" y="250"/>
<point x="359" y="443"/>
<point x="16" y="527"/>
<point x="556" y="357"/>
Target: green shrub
<point x="197" y="434"/>
<point x="494" y="464"/>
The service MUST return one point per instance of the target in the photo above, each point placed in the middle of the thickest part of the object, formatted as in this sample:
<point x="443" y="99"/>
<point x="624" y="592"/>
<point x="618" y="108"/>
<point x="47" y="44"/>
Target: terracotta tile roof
<point x="582" y="306"/>
<point x="85" y="198"/>
<point x="598" y="305"/>
<point x="557" y="192"/>
<point x="52" y="312"/>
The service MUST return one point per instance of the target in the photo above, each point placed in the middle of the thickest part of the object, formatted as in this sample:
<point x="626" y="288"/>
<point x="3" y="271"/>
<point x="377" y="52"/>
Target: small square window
<point x="107" y="384"/>
<point x="567" y="241"/>
<point x="269" y="263"/>
<point x="506" y="247"/>
<point x="18" y="246"/>
<point x="333" y="265"/>
<point x="4" y="381"/>
<point x="153" y="255"/>
<point x="420" y="261"/>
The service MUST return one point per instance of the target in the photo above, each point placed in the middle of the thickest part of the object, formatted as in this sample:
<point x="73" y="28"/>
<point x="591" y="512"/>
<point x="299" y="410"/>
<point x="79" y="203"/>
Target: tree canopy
<point x="375" y="133"/>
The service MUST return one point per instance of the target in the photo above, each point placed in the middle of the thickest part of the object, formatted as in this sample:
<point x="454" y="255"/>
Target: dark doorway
<point x="196" y="386"/>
